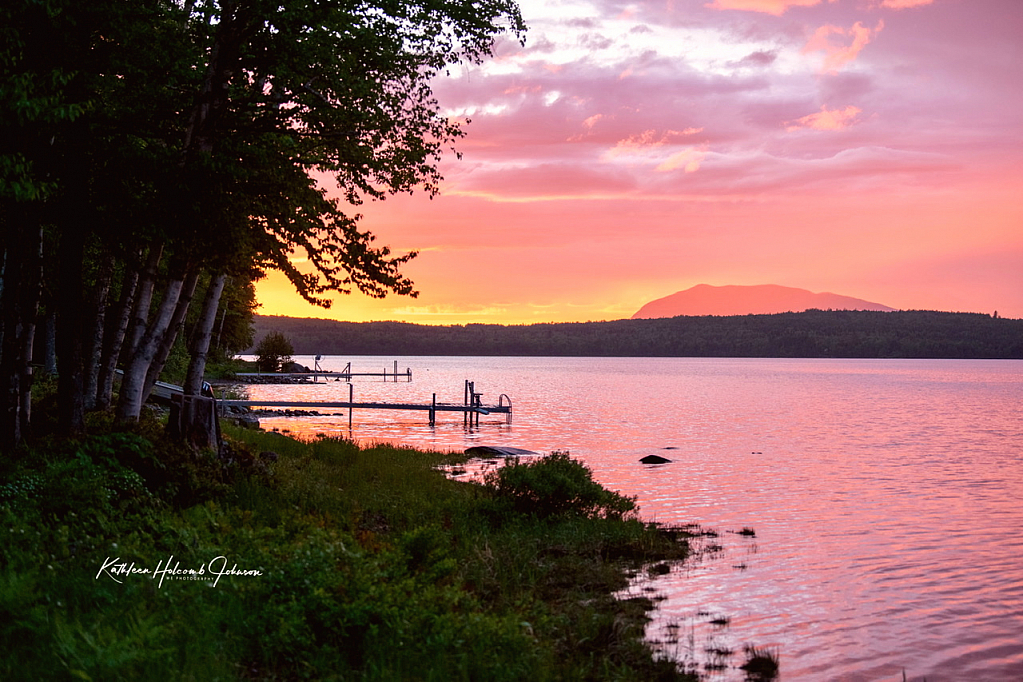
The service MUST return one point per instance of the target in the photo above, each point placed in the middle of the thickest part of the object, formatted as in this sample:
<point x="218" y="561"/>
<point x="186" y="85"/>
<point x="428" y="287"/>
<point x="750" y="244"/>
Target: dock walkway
<point x="471" y="408"/>
<point x="344" y="375"/>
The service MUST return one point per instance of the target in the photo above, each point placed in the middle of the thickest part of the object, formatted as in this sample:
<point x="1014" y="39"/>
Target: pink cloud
<point x="648" y="139"/>
<point x="775" y="7"/>
<point x="838" y="53"/>
<point x="904" y="4"/>
<point x="562" y="152"/>
<point x="689" y="159"/>
<point x="827" y="119"/>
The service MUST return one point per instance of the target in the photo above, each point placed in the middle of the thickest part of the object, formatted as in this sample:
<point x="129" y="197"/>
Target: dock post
<point x="351" y="394"/>
<point x="433" y="411"/>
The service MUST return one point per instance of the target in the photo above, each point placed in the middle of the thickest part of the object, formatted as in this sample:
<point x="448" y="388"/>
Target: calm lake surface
<point x="886" y="495"/>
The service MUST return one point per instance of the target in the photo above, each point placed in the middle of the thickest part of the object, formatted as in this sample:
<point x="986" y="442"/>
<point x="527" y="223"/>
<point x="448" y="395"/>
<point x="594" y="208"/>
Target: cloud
<point x="648" y="139"/>
<point x="775" y="7"/>
<point x="689" y="159"/>
<point x="635" y="143"/>
<point x="655" y="148"/>
<point x="760" y="59"/>
<point x="827" y="119"/>
<point x="454" y="311"/>
<point x="904" y="4"/>
<point x="838" y="53"/>
<point x="916" y="148"/>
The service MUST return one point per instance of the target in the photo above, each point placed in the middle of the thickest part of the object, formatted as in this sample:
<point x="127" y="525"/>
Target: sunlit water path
<point x="886" y="495"/>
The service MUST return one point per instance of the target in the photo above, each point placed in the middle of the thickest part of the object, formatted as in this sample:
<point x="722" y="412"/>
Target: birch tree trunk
<point x="113" y="340"/>
<point x="22" y="274"/>
<point x="32" y="292"/>
<point x="10" y="376"/>
<point x="199" y="344"/>
<point x="198" y="423"/>
<point x="129" y="404"/>
<point x="94" y="340"/>
<point x="176" y="324"/>
<point x="26" y="379"/>
<point x="143" y="299"/>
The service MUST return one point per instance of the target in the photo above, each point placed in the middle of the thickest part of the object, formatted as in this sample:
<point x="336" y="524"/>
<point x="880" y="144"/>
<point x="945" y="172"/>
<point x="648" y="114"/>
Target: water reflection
<point x="884" y="494"/>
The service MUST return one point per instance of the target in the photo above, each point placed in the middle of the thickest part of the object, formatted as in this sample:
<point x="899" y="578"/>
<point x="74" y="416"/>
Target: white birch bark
<point x="174" y="329"/>
<point x="129" y="404"/>
<point x="199" y="347"/>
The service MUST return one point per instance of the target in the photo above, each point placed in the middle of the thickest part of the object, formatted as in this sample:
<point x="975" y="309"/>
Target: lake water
<point x="886" y="496"/>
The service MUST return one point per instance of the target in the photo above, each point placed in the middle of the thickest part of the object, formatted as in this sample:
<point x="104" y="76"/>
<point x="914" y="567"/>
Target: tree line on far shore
<point x="810" y="334"/>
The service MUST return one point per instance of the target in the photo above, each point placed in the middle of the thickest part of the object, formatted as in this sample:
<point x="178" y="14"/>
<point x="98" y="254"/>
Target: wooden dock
<point x="344" y="375"/>
<point x="471" y="408"/>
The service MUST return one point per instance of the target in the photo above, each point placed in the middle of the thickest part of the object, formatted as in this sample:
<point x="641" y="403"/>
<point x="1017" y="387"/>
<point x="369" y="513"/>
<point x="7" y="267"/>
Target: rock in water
<point x="497" y="451"/>
<point x="654" y="459"/>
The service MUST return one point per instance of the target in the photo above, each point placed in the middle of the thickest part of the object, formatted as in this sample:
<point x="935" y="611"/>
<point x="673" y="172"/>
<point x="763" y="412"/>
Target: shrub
<point x="761" y="664"/>
<point x="555" y="485"/>
<point x="273" y="352"/>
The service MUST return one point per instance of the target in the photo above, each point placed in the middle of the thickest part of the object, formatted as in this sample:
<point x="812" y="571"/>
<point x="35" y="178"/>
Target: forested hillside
<point x="810" y="334"/>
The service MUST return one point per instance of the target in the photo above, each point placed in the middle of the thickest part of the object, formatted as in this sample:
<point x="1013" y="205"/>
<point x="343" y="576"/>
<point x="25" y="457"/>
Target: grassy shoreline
<point x="348" y="563"/>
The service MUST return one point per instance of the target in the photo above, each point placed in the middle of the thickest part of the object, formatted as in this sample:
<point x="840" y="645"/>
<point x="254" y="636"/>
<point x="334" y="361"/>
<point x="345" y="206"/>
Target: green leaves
<point x="555" y="485"/>
<point x="342" y="90"/>
<point x="220" y="136"/>
<point x="274" y="351"/>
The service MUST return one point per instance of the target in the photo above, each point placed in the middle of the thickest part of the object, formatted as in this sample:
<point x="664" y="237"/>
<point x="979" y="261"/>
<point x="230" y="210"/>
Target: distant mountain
<point x="765" y="299"/>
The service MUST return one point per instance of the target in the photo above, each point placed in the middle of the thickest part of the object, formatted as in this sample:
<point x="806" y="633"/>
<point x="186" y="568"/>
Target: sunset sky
<point x="871" y="148"/>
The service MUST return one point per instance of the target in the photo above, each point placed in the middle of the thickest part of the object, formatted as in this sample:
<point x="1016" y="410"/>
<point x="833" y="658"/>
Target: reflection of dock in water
<point x="471" y="407"/>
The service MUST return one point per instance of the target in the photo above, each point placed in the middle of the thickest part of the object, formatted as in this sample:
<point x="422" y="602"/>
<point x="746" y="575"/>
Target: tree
<point x="273" y="352"/>
<point x="294" y="88"/>
<point x="172" y="145"/>
<point x="36" y="103"/>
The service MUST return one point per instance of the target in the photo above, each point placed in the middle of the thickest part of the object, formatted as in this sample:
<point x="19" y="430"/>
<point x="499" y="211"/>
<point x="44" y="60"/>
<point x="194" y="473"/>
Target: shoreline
<point x="330" y="558"/>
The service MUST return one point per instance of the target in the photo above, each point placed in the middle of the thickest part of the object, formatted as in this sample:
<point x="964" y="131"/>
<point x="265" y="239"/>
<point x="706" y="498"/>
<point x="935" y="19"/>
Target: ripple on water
<point x="885" y="496"/>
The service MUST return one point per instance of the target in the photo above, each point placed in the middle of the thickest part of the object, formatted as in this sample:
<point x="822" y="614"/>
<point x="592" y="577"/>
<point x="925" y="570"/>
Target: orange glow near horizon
<point x="868" y="149"/>
<point x="776" y="7"/>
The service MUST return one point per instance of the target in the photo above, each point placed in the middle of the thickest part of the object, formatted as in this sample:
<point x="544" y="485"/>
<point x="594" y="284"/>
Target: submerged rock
<point x="654" y="459"/>
<point x="497" y="451"/>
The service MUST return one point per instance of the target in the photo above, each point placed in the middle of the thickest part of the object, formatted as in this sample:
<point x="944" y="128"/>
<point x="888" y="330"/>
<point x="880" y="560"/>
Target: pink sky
<point x="870" y="148"/>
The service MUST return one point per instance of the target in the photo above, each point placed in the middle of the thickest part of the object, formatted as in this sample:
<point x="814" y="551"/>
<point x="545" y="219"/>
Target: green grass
<point x="372" y="565"/>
